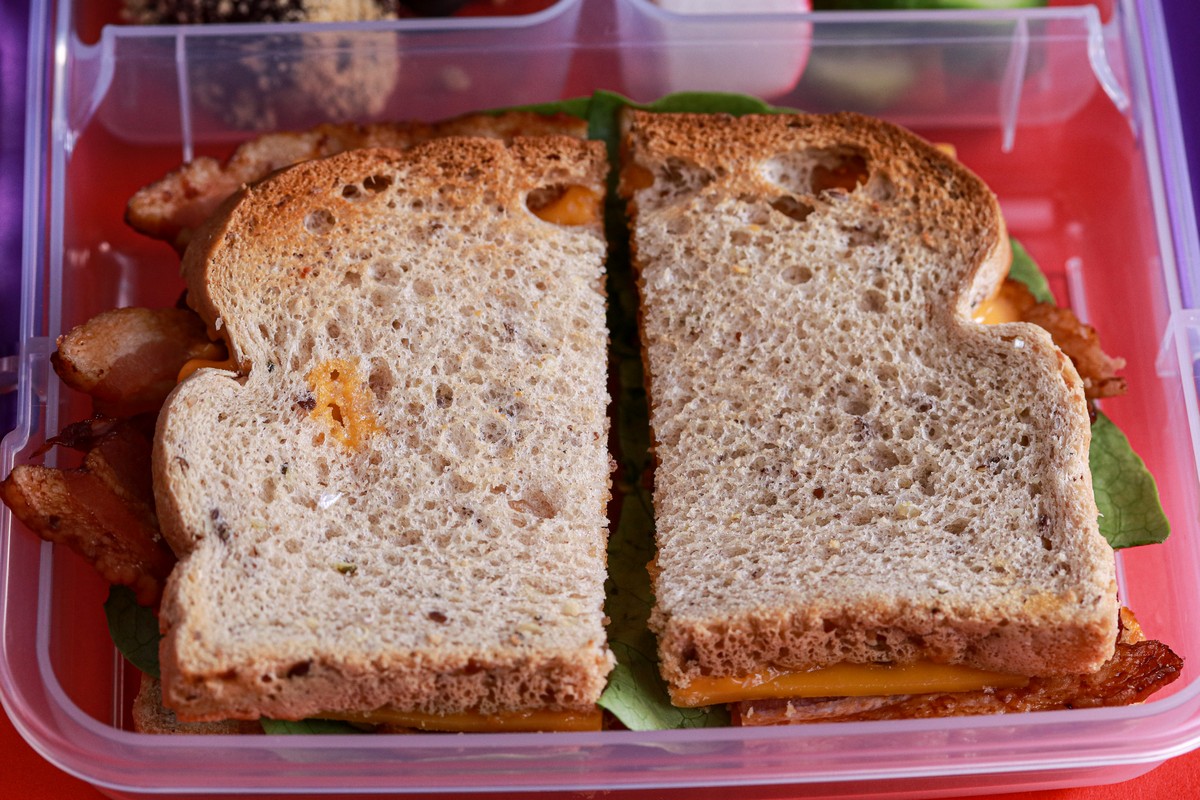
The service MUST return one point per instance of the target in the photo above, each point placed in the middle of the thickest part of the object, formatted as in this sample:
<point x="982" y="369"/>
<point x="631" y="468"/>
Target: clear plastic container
<point x="1067" y="112"/>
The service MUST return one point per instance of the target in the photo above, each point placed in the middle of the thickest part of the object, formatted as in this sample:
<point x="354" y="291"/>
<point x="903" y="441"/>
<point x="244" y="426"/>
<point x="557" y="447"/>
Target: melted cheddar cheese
<point x="995" y="310"/>
<point x="342" y="401"/>
<point x="189" y="367"/>
<point x="843" y="680"/>
<point x="577" y="205"/>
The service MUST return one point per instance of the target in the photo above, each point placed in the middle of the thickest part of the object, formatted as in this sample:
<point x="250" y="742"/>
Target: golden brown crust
<point x="171" y="208"/>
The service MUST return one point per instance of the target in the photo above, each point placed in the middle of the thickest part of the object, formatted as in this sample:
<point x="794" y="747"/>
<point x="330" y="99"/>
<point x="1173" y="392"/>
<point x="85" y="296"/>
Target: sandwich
<point x="254" y="449"/>
<point x="860" y="491"/>
<point x="390" y="506"/>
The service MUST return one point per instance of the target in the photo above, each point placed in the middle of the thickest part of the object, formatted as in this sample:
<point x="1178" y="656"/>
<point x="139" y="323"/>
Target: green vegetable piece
<point x="133" y="628"/>
<point x="1026" y="270"/>
<point x="279" y="727"/>
<point x="1126" y="495"/>
<point x="575" y="107"/>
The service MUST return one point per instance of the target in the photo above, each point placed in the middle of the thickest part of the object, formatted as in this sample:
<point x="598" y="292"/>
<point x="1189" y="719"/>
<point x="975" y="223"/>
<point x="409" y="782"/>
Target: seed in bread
<point x="399" y="498"/>
<point x="849" y="469"/>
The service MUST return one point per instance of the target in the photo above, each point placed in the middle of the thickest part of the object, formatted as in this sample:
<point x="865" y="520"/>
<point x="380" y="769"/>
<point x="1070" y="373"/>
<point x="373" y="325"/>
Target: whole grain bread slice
<point x="849" y="469"/>
<point x="399" y="497"/>
<point x="171" y="208"/>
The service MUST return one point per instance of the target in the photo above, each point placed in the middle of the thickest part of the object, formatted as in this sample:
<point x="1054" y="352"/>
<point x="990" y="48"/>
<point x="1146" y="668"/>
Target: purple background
<point x="1183" y="25"/>
<point x="14" y="26"/>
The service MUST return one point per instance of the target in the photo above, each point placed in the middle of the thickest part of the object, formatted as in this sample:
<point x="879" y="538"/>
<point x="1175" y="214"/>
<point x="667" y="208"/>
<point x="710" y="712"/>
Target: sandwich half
<point x="389" y="506"/>
<point x="859" y="490"/>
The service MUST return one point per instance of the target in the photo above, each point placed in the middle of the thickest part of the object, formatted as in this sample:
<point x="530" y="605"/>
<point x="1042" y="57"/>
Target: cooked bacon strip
<point x="1137" y="669"/>
<point x="172" y="207"/>
<point x="1077" y="339"/>
<point x="128" y="359"/>
<point x="104" y="510"/>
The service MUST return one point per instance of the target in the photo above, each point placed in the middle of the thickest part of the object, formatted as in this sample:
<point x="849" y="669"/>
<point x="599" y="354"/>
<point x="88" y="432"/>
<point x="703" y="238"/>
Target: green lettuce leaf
<point x="276" y="727"/>
<point x="1026" y="270"/>
<point x="1126" y="495"/>
<point x="133" y="628"/>
<point x="1131" y="513"/>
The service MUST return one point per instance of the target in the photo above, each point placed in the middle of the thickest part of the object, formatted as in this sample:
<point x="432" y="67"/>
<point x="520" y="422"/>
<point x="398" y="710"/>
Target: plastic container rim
<point x="1182" y="739"/>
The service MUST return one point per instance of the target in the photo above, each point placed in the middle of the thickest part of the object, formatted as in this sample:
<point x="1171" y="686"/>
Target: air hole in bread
<point x="854" y="406"/>
<point x="864" y="234"/>
<point x="872" y="301"/>
<point x="381" y="381"/>
<point x="534" y="502"/>
<point x="925" y="479"/>
<point x="351" y="191"/>
<point x="887" y="373"/>
<point x="423" y="288"/>
<point x="681" y="175"/>
<point x="815" y="171"/>
<point x="791" y="207"/>
<point x="377" y="183"/>
<point x="884" y="458"/>
<point x="679" y="226"/>
<point x="352" y="279"/>
<point x="957" y="526"/>
<point x="319" y="222"/>
<point x="797" y="275"/>
<point x="881" y="187"/>
<point x="839" y="170"/>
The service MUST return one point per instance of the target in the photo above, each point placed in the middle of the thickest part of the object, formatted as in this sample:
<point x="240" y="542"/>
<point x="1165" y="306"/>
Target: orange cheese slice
<point x="342" y="401"/>
<point x="474" y="722"/>
<point x="843" y="680"/>
<point x="189" y="367"/>
<point x="577" y="205"/>
<point x="995" y="310"/>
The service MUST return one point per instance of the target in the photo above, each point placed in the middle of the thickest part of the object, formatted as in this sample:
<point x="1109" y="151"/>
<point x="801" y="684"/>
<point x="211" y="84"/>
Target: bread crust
<point x="849" y="468"/>
<point x="171" y="208"/>
<point x="398" y="497"/>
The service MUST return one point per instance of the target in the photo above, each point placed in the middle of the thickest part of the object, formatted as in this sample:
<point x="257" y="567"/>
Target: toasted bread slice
<point x="171" y="208"/>
<point x="399" y="499"/>
<point x="849" y="469"/>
